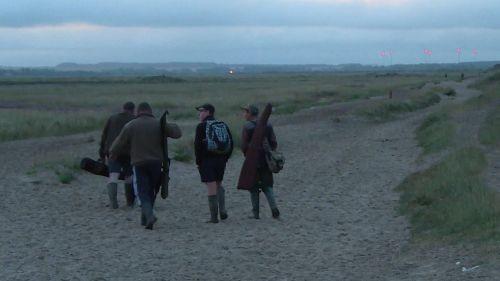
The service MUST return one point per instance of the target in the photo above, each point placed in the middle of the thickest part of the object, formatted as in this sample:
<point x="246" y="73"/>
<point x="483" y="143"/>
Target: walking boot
<point x="129" y="194"/>
<point x="151" y="222"/>
<point x="214" y="208"/>
<point x="112" y="189"/>
<point x="275" y="212"/>
<point x="147" y="212"/>
<point x="221" y="196"/>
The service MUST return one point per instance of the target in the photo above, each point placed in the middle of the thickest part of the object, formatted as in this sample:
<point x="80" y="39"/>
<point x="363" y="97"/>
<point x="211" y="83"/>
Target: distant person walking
<point x="213" y="146"/>
<point x="121" y="164"/>
<point x="142" y="139"/>
<point x="265" y="180"/>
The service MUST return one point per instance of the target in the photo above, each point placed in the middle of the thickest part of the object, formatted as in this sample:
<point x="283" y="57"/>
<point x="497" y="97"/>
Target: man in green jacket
<point x="121" y="164"/>
<point x="142" y="138"/>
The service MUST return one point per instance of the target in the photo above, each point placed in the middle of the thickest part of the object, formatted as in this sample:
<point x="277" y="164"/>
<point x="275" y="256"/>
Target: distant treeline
<point x="45" y="80"/>
<point x="166" y="72"/>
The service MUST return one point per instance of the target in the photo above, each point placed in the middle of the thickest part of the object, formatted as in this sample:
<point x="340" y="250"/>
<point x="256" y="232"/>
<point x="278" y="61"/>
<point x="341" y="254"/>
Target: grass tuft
<point x="65" y="176"/>
<point x="183" y="150"/>
<point x="451" y="200"/>
<point x="489" y="132"/>
<point x="388" y="110"/>
<point x="435" y="133"/>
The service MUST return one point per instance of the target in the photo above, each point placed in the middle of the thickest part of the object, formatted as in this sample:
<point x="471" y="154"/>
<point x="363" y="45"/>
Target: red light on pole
<point x="459" y="54"/>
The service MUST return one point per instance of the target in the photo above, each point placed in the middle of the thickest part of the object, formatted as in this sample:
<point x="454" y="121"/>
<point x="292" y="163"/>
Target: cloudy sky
<point x="48" y="32"/>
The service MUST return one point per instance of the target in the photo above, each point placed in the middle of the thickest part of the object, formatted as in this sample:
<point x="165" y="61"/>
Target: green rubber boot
<point x="112" y="189"/>
<point x="214" y="209"/>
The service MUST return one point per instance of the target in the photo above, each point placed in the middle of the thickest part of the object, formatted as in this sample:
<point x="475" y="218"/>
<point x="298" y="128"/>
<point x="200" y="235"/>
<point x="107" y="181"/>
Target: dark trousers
<point x="147" y="178"/>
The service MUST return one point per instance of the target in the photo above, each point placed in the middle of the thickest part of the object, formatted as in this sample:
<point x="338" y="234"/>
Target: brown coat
<point x="246" y="137"/>
<point x="112" y="129"/>
<point x="141" y="137"/>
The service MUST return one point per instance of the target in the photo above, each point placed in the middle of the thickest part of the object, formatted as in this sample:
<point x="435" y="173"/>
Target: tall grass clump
<point x="22" y="124"/>
<point x="489" y="132"/>
<point x="65" y="176"/>
<point x="388" y="110"/>
<point x="451" y="200"/>
<point x="183" y="150"/>
<point x="435" y="133"/>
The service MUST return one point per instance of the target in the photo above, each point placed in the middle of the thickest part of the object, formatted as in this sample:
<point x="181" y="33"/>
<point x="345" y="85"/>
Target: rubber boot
<point x="221" y="197"/>
<point x="129" y="194"/>
<point x="214" y="208"/>
<point x="268" y="191"/>
<point x="254" y="196"/>
<point x="112" y="189"/>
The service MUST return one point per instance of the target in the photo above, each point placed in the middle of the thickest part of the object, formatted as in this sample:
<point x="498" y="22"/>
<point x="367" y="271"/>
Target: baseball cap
<point x="251" y="108"/>
<point x="208" y="107"/>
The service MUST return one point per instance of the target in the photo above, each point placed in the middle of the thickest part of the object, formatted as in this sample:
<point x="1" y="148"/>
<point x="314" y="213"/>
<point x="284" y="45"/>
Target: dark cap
<point x="129" y="106"/>
<point x="251" y="108"/>
<point x="208" y="107"/>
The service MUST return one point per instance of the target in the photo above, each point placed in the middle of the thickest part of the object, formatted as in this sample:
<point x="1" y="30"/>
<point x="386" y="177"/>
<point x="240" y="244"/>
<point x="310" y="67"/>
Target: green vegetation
<point x="389" y="109"/>
<point x="65" y="169"/>
<point x="435" y="133"/>
<point x="32" y="171"/>
<point x="37" y="107"/>
<point x="184" y="150"/>
<point x="451" y="200"/>
<point x="22" y="124"/>
<point x="489" y="132"/>
<point x="65" y="176"/>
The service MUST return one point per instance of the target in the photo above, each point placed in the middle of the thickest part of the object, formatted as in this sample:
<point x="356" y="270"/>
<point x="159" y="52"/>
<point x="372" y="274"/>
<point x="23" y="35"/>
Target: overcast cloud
<point x="249" y="31"/>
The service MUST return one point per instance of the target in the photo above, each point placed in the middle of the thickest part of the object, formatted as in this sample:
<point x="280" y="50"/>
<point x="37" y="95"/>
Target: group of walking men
<point x="131" y="146"/>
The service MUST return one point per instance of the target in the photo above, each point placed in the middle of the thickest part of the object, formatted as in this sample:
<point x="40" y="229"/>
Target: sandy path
<point x="335" y="195"/>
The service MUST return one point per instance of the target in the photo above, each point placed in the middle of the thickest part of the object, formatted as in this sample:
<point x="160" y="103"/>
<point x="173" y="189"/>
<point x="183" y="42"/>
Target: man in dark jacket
<point x="212" y="161"/>
<point x="264" y="175"/>
<point x="112" y="129"/>
<point x="141" y="138"/>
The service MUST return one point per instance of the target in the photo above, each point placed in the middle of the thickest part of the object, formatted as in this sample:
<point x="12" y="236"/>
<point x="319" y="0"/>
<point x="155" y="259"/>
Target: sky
<point x="49" y="32"/>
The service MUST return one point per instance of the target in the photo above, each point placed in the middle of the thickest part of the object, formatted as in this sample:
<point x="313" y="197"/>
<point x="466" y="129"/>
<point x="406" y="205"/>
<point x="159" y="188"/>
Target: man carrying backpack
<point x="213" y="146"/>
<point x="264" y="175"/>
<point x="142" y="138"/>
<point x="121" y="164"/>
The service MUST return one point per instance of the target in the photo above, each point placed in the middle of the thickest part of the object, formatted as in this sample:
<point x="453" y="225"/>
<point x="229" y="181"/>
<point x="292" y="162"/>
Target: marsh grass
<point x="489" y="132"/>
<point x="183" y="151"/>
<point x="451" y="200"/>
<point x="388" y="110"/>
<point x="436" y="132"/>
<point x="22" y="124"/>
<point x="66" y="106"/>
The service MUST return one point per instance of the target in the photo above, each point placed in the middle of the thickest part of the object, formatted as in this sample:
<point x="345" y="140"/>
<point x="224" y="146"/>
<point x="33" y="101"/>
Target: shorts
<point x="212" y="169"/>
<point x="121" y="165"/>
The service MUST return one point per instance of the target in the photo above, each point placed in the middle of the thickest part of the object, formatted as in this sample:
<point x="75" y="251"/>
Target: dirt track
<point x="336" y="198"/>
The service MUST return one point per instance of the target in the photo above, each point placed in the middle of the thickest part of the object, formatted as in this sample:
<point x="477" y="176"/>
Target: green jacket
<point x="141" y="137"/>
<point x="111" y="130"/>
